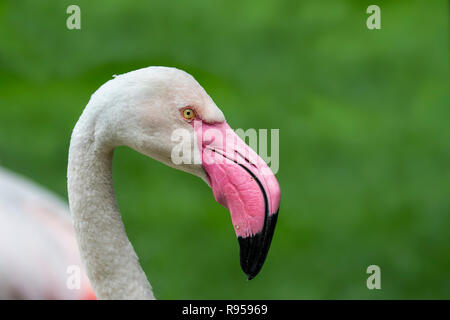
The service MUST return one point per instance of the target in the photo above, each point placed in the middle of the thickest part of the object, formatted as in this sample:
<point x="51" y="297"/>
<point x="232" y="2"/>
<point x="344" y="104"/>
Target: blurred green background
<point x="364" y="139"/>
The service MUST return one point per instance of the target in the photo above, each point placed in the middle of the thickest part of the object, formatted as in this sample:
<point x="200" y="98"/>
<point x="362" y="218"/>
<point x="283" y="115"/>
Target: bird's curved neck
<point x="110" y="260"/>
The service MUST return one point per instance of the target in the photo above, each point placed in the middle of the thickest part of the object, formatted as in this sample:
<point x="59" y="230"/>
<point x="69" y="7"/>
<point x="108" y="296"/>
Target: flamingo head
<point x="165" y="114"/>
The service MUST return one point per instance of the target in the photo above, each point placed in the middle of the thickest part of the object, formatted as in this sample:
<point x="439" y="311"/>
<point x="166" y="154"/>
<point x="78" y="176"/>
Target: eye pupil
<point x="188" y="114"/>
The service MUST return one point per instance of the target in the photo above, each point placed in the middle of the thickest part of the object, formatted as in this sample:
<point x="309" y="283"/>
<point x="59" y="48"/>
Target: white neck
<point x="109" y="258"/>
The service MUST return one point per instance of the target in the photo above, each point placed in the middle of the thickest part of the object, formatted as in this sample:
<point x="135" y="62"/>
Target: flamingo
<point x="142" y="109"/>
<point x="38" y="250"/>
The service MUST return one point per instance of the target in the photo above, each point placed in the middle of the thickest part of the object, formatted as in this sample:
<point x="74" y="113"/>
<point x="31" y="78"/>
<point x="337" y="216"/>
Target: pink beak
<point x="243" y="183"/>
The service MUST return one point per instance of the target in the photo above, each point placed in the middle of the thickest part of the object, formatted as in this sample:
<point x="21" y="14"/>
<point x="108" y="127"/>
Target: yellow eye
<point x="188" y="114"/>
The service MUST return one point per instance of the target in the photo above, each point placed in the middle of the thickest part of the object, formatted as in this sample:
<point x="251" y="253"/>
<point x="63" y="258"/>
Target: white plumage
<point x="37" y="243"/>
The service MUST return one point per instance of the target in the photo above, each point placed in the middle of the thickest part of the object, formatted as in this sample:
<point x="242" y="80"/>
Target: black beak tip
<point x="254" y="249"/>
